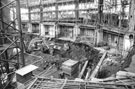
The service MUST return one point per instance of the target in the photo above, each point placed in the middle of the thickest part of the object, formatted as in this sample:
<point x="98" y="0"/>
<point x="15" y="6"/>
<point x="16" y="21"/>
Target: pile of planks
<point x="49" y="83"/>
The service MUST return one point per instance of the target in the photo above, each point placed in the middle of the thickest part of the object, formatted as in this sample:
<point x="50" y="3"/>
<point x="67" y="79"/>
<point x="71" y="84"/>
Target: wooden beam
<point x="94" y="73"/>
<point x="83" y="69"/>
<point x="88" y="73"/>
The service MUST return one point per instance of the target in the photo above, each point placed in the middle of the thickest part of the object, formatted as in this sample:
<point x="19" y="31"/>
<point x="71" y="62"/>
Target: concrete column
<point x="127" y="43"/>
<point x="30" y="27"/>
<point x="76" y="9"/>
<point x="109" y="39"/>
<point x="76" y="31"/>
<point x="42" y="29"/>
<point x="99" y="36"/>
<point x="57" y="30"/>
<point x="52" y="30"/>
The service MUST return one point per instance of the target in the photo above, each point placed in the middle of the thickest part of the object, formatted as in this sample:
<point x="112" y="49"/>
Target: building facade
<point x="73" y="18"/>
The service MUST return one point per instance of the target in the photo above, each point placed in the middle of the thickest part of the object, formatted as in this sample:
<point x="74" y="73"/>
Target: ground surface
<point x="76" y="51"/>
<point x="131" y="67"/>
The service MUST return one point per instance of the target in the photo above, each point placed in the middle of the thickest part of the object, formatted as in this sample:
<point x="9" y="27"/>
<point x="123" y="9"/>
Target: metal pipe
<point x="18" y="14"/>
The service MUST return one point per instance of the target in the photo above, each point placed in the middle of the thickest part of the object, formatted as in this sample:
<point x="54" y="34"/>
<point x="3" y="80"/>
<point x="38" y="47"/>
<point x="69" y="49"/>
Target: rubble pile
<point x="80" y="52"/>
<point x="43" y="61"/>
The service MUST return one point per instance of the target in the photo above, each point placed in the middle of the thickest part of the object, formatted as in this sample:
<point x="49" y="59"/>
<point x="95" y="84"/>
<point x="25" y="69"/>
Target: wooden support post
<point x="94" y="73"/>
<point x="88" y="73"/>
<point x="83" y="69"/>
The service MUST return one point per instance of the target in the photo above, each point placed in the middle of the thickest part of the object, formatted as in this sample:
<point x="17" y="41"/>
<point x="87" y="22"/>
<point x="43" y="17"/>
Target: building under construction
<point x="67" y="44"/>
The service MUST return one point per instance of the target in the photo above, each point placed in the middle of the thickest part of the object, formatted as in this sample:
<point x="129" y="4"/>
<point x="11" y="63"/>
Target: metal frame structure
<point x="4" y="58"/>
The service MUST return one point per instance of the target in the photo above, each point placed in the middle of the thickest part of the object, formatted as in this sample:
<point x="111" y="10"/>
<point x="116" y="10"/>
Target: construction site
<point x="67" y="44"/>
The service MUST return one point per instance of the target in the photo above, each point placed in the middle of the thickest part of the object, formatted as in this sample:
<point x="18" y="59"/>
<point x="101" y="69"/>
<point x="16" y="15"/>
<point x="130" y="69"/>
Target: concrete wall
<point x="112" y="38"/>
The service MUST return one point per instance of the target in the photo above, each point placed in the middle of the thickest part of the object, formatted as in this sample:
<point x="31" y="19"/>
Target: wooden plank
<point x="32" y="83"/>
<point x="98" y="66"/>
<point x="83" y="69"/>
<point x="88" y="73"/>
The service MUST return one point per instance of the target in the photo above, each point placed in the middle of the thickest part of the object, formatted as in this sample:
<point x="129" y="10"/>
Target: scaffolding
<point x="59" y="18"/>
<point x="7" y="35"/>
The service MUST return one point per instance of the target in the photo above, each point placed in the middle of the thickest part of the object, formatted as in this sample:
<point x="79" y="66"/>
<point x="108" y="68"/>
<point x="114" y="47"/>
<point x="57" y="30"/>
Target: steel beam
<point x="6" y="5"/>
<point x="18" y="14"/>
